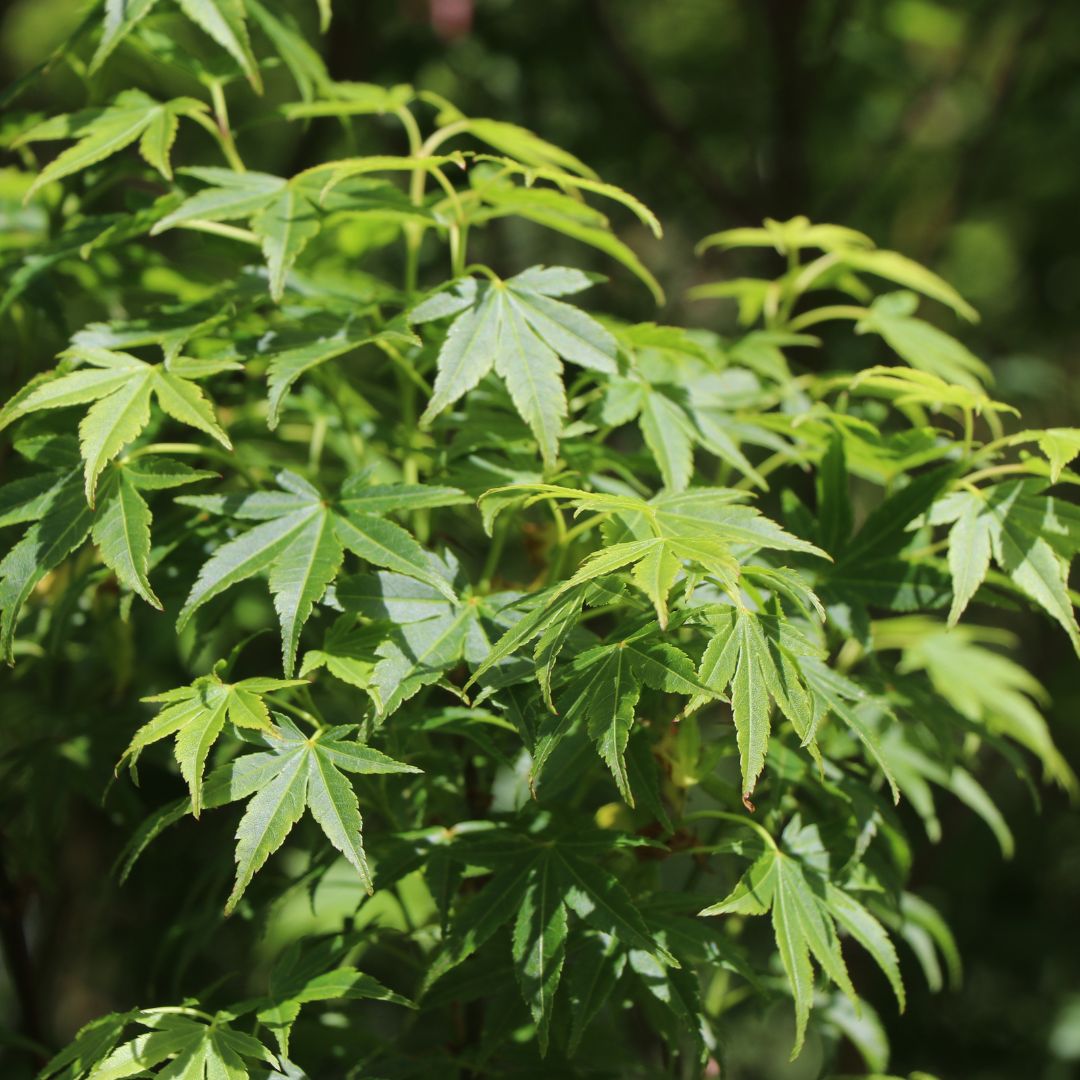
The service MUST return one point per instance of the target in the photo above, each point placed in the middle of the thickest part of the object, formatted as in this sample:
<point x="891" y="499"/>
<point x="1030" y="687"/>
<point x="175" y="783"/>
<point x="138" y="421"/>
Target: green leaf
<point x="54" y="500"/>
<point x="523" y="145"/>
<point x="533" y="375"/>
<point x="858" y="710"/>
<point x="518" y="328"/>
<point x="597" y="898"/>
<point x="308" y="774"/>
<point x="300" y="575"/>
<point x="467" y="355"/>
<point x="63" y="524"/>
<point x="195" y="715"/>
<point x="701" y="527"/>
<point x="602" y="688"/>
<point x="92" y="1043"/>
<point x="121" y="17"/>
<point x="226" y="22"/>
<point x="969" y="557"/>
<point x="429" y="633"/>
<point x="756" y="658"/>
<point x="101" y="133"/>
<point x="304" y="63"/>
<point x="598" y="965"/>
<point x="805" y="909"/>
<point x="967" y="669"/>
<point x="285" y="225"/>
<point x="1061" y="446"/>
<point x="495" y="905"/>
<point x="1030" y="536"/>
<point x="302" y="977"/>
<point x="565" y="214"/>
<point x="122" y="533"/>
<point x="112" y="422"/>
<point x="301" y="543"/>
<point x="788" y="236"/>
<point x="120" y="387"/>
<point x="231" y="195"/>
<point x="669" y="436"/>
<point x="288" y="365"/>
<point x="908" y="273"/>
<point x="921" y="344"/>
<point x="251" y="553"/>
<point x="539" y="945"/>
<point x="197" y="1048"/>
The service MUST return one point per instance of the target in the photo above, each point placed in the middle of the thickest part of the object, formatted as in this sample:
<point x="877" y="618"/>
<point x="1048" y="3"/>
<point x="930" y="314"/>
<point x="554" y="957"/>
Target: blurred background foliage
<point x="946" y="130"/>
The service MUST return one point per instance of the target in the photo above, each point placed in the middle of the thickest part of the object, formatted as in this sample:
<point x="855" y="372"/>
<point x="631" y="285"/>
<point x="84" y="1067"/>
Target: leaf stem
<point x="221" y="115"/>
<point x="997" y="470"/>
<point x="179" y="1010"/>
<point x="495" y="550"/>
<point x="826" y="314"/>
<point x="736" y="819"/>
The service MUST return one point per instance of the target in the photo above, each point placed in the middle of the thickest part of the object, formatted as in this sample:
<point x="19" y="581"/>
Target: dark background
<point x="948" y="131"/>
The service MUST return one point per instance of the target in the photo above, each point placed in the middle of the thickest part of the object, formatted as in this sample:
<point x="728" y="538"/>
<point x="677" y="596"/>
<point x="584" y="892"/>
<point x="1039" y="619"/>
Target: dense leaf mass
<point x="611" y="636"/>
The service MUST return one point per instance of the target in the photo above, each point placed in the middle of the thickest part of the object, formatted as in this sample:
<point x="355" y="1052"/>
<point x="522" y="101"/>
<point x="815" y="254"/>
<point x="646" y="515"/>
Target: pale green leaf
<point x="1061" y="446"/>
<point x="533" y="374"/>
<point x="121" y="17"/>
<point x="904" y="271"/>
<point x="225" y="22"/>
<point x="246" y="555"/>
<point x="111" y="423"/>
<point x="669" y="437"/>
<point x="969" y="557"/>
<point x="185" y="402"/>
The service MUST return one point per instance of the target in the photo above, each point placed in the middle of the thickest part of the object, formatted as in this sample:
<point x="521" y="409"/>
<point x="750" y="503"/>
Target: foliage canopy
<point x="625" y="639"/>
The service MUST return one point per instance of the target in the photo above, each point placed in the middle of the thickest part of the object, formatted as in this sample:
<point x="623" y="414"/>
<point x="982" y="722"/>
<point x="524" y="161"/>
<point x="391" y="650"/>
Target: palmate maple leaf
<point x="301" y="541"/>
<point x="518" y="328"/>
<point x="100" y="133"/>
<point x="1031" y="536"/>
<point x="536" y="885"/>
<point x="53" y="503"/>
<point x="789" y="880"/>
<point x="298" y="772"/>
<point x="195" y="715"/>
<point x="119" y="387"/>
<point x="285" y="214"/>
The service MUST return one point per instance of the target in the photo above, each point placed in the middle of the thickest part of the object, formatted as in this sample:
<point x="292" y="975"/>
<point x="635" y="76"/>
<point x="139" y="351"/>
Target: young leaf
<point x="1032" y="537"/>
<point x="120" y="387"/>
<point x="195" y="715"/>
<point x="197" y="1048"/>
<point x="226" y="22"/>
